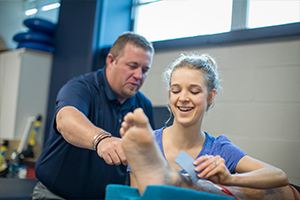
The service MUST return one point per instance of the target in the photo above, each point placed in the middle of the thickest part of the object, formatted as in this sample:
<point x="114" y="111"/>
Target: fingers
<point x="120" y="153"/>
<point x="211" y="170"/>
<point x="209" y="166"/>
<point x="114" y="158"/>
<point x="111" y="151"/>
<point x="201" y="159"/>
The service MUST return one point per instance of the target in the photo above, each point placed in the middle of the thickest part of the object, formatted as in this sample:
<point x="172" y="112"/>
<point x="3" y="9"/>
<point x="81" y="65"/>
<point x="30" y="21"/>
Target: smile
<point x="185" y="109"/>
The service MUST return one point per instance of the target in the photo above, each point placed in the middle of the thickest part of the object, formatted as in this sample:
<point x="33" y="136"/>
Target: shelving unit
<point x="24" y="87"/>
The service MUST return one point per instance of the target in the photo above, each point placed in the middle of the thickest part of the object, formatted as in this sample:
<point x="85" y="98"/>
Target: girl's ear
<point x="211" y="96"/>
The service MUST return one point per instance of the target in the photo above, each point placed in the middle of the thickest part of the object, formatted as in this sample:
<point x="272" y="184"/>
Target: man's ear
<point x="110" y="60"/>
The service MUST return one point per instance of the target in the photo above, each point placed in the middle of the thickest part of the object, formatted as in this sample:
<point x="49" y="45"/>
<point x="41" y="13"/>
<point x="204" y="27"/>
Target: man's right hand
<point x="110" y="149"/>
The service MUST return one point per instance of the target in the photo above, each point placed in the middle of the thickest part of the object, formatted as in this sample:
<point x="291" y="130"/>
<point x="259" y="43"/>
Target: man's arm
<point x="75" y="127"/>
<point x="79" y="131"/>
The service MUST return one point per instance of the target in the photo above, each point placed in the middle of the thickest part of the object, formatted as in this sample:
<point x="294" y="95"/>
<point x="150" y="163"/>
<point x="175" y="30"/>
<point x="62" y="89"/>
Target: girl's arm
<point x="250" y="172"/>
<point x="257" y="174"/>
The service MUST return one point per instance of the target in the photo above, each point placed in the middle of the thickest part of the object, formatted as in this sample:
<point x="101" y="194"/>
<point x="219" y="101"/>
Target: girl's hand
<point x="213" y="168"/>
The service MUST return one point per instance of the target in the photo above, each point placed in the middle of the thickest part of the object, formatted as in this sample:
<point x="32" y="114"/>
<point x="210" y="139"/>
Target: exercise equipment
<point x="38" y="37"/>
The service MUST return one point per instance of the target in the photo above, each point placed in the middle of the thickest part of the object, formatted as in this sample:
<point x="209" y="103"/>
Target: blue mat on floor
<point x="158" y="192"/>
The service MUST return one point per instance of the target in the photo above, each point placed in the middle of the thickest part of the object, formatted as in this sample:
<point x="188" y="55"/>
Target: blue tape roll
<point x="40" y="25"/>
<point x="33" y="36"/>
<point x="36" y="45"/>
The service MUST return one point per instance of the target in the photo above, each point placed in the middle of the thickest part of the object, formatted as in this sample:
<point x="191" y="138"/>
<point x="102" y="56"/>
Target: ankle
<point x="175" y="178"/>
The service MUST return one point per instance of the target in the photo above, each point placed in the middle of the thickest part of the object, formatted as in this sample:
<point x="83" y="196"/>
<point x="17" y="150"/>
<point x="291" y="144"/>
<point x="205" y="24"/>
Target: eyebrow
<point x="175" y="85"/>
<point x="136" y="63"/>
<point x="133" y="62"/>
<point x="190" y="86"/>
<point x="194" y="85"/>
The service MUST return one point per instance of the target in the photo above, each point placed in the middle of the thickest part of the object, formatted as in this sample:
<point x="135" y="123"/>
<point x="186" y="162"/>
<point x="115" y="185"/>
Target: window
<point x="269" y="13"/>
<point x="160" y="20"/>
<point x="168" y="19"/>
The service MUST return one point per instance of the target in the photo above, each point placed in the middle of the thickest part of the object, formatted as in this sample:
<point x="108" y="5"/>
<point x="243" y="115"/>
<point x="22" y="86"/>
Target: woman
<point x="193" y="85"/>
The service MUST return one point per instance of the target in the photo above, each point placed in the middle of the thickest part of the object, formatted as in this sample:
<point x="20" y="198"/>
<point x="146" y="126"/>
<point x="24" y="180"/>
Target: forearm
<point x="278" y="193"/>
<point x="264" y="178"/>
<point x="75" y="127"/>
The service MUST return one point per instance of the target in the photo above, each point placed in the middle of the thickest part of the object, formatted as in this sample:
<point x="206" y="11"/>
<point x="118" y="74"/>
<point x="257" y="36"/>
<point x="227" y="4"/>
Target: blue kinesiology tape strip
<point x="186" y="162"/>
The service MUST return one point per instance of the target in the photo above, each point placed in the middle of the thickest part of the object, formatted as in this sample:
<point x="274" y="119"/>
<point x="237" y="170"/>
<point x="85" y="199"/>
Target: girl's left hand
<point x="212" y="168"/>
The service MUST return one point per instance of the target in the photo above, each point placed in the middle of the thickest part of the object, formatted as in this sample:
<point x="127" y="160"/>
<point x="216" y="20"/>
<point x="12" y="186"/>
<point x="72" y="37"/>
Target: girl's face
<point x="189" y="96"/>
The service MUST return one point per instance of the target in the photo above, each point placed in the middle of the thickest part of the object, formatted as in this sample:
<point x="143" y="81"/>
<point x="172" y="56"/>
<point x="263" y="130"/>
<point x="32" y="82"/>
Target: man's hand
<point x="110" y="149"/>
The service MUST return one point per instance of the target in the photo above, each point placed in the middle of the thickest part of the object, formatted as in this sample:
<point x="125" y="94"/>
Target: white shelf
<point x="24" y="88"/>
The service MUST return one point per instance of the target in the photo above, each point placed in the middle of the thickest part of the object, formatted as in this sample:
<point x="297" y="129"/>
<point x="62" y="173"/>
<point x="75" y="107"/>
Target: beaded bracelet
<point x="96" y="136"/>
<point x="101" y="140"/>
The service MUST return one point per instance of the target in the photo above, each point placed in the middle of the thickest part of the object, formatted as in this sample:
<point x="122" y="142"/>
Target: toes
<point x="125" y="126"/>
<point x="122" y="132"/>
<point x="140" y="117"/>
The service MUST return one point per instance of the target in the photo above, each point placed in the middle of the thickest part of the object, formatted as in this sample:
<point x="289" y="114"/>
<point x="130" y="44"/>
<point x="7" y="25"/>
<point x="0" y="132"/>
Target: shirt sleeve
<point x="74" y="93"/>
<point x="231" y="153"/>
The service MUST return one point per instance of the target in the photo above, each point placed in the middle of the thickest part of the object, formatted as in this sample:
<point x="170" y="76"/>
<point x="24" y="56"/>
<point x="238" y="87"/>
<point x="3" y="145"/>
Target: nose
<point x="184" y="96"/>
<point x="138" y="74"/>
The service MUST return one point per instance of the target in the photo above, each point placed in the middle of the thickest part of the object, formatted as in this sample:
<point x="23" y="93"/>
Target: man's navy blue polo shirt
<point x="77" y="173"/>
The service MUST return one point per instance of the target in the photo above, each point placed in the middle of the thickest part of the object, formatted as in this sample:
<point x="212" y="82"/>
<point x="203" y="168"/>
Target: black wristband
<point x="101" y="140"/>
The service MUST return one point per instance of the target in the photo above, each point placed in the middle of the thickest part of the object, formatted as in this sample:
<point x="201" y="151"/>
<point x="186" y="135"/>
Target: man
<point x="149" y="167"/>
<point x="83" y="153"/>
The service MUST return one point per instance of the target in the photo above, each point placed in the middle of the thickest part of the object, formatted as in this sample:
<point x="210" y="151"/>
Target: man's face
<point x="129" y="71"/>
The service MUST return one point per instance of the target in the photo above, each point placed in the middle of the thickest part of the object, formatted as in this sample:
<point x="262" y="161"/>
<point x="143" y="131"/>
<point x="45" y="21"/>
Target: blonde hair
<point x="205" y="63"/>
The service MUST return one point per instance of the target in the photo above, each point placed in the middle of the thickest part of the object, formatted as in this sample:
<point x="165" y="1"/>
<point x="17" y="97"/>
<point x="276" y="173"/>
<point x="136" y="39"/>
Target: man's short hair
<point x="137" y="40"/>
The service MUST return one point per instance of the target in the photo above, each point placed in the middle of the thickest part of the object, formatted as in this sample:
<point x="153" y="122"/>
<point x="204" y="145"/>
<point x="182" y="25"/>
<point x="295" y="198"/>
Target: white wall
<point x="259" y="107"/>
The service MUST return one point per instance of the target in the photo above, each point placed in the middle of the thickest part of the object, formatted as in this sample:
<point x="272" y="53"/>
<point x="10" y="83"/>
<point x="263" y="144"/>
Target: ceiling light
<point x="31" y="11"/>
<point x="50" y="6"/>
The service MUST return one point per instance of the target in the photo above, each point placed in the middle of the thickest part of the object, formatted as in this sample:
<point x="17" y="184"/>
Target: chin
<point x="185" y="123"/>
<point x="129" y="94"/>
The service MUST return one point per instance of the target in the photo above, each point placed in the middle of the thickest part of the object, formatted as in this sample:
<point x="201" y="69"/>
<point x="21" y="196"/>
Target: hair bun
<point x="209" y="60"/>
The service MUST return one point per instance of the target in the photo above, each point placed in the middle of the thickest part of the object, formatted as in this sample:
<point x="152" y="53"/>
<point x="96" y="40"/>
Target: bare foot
<point x="143" y="154"/>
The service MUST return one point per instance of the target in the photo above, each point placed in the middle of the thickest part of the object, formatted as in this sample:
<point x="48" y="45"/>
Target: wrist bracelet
<point x="101" y="133"/>
<point x="107" y="136"/>
<point x="99" y="138"/>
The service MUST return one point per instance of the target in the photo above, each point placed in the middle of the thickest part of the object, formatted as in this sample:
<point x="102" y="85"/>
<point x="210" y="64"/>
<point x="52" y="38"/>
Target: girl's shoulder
<point x="220" y="139"/>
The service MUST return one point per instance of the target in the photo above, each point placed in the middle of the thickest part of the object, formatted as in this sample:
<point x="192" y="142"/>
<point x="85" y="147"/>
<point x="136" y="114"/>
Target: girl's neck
<point x="185" y="137"/>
